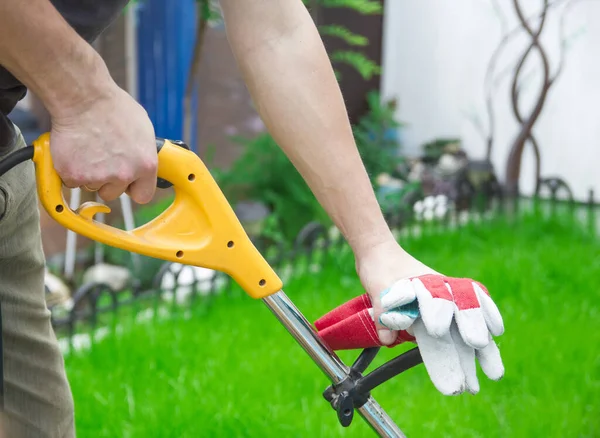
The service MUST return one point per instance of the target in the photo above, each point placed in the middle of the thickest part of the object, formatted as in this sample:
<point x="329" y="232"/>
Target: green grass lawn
<point x="228" y="369"/>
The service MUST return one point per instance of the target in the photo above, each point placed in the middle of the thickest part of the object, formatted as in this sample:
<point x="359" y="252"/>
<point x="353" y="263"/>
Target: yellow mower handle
<point x="199" y="228"/>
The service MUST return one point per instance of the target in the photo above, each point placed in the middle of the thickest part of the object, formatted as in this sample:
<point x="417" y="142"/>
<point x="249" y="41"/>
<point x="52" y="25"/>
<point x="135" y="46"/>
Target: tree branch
<point x="546" y="85"/>
<point x="489" y="76"/>
<point x="514" y="160"/>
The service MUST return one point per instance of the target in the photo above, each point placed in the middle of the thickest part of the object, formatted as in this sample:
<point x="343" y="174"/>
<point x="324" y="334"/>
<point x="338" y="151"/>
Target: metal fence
<point x="315" y="245"/>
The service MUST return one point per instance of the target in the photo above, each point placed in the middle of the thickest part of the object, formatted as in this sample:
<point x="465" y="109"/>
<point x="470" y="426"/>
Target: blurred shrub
<point x="376" y="137"/>
<point x="264" y="173"/>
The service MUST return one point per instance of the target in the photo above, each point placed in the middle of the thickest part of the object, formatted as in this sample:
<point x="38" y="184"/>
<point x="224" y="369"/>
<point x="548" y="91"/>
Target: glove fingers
<point x="401" y="317"/>
<point x="490" y="361"/>
<point x="491" y="313"/>
<point x="395" y="320"/>
<point x="466" y="356"/>
<point x="469" y="316"/>
<point x="441" y="360"/>
<point x="435" y="305"/>
<point x="400" y="293"/>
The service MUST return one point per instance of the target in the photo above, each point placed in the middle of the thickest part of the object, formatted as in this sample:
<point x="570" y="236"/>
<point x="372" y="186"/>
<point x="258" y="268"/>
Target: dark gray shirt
<point x="89" y="18"/>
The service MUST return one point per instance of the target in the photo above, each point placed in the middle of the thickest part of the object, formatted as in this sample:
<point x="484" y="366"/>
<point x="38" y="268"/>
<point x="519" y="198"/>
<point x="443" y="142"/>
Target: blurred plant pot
<point x="389" y="134"/>
<point x="252" y="215"/>
<point x="388" y="185"/>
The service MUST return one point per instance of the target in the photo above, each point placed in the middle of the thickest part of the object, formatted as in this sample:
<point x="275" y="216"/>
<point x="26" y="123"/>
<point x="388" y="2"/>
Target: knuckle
<point x="72" y="177"/>
<point x="149" y="164"/>
<point x="124" y="175"/>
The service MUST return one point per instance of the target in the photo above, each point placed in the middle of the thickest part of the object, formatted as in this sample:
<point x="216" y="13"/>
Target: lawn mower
<point x="201" y="229"/>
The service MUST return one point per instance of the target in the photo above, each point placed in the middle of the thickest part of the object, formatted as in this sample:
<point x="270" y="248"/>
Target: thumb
<point x="386" y="336"/>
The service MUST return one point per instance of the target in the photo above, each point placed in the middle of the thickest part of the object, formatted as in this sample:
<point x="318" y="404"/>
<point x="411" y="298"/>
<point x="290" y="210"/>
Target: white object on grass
<point x="58" y="293"/>
<point x="117" y="277"/>
<point x="182" y="280"/>
<point x="431" y="207"/>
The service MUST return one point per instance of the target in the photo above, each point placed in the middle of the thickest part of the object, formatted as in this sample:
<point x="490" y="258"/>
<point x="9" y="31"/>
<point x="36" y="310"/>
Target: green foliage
<point x="344" y="33"/>
<point x="264" y="173"/>
<point x="379" y="151"/>
<point x="398" y="202"/>
<point x="363" y="65"/>
<point x="209" y="10"/>
<point x="362" y="6"/>
<point x="435" y="148"/>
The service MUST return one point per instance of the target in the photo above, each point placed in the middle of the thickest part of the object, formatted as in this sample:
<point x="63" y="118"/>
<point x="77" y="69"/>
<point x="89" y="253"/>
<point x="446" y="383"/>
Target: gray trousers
<point x="35" y="396"/>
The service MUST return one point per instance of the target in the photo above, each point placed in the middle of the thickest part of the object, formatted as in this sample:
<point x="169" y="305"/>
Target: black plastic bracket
<point x="163" y="183"/>
<point x="354" y="391"/>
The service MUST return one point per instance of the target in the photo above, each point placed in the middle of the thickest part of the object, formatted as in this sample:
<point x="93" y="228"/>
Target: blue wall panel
<point x="166" y="32"/>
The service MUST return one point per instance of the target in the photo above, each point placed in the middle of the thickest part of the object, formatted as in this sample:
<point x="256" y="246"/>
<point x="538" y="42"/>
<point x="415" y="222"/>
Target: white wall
<point x="436" y="53"/>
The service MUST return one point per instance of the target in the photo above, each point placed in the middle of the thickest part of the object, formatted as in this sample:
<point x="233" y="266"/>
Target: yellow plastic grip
<point x="199" y="228"/>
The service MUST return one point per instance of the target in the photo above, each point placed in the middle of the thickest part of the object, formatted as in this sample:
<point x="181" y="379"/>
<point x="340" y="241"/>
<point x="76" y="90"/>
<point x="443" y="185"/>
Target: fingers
<point x="453" y="321"/>
<point x="111" y="191"/>
<point x="109" y="188"/>
<point x="142" y="191"/>
<point x="400" y="318"/>
<point x="466" y="356"/>
<point x="109" y="167"/>
<point x="400" y="293"/>
<point x="491" y="313"/>
<point x="472" y="327"/>
<point x="490" y="361"/>
<point x="386" y="335"/>
<point x="451" y="363"/>
<point x="468" y="313"/>
<point x="440" y="300"/>
<point x="441" y="360"/>
<point x="399" y="306"/>
<point x="91" y="189"/>
<point x="73" y="178"/>
<point x="435" y="305"/>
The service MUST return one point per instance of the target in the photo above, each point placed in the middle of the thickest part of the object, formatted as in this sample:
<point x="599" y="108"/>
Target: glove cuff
<point x="350" y="326"/>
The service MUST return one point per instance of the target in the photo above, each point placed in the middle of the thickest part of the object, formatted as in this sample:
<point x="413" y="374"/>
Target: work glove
<point x="451" y="320"/>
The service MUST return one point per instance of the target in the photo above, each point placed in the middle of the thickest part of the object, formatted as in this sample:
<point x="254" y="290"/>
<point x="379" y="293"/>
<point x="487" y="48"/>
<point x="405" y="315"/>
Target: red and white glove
<point x="454" y="325"/>
<point x="452" y="320"/>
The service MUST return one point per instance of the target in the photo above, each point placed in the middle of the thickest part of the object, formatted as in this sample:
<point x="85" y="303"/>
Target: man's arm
<point x="291" y="80"/>
<point x="101" y="138"/>
<point x="40" y="48"/>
